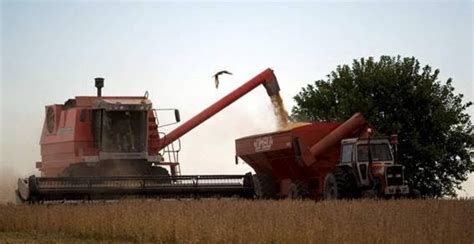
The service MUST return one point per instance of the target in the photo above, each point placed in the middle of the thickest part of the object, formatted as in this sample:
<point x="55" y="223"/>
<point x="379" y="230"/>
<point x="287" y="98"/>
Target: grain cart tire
<point x="265" y="186"/>
<point x="339" y="184"/>
<point x="299" y="190"/>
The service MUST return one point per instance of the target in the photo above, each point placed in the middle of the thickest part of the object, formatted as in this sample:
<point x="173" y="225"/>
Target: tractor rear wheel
<point x="340" y="184"/>
<point x="299" y="190"/>
<point x="265" y="186"/>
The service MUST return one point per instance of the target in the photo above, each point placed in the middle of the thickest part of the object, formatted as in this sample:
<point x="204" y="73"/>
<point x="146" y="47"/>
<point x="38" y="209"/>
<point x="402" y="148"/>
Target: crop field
<point x="241" y="221"/>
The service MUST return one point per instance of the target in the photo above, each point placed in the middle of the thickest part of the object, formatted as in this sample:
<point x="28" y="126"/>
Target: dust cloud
<point x="281" y="114"/>
<point x="8" y="182"/>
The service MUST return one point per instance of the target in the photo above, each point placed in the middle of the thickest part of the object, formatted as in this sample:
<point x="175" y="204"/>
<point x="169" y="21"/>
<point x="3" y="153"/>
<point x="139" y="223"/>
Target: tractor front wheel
<point x="415" y="194"/>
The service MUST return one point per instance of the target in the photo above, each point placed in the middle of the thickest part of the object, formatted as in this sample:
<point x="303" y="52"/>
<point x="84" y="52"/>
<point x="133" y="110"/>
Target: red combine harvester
<point x="99" y="147"/>
<point x="324" y="161"/>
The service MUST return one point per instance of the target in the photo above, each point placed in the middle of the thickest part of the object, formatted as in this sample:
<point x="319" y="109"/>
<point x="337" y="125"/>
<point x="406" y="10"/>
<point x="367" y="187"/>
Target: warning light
<point x="394" y="139"/>
<point x="369" y="131"/>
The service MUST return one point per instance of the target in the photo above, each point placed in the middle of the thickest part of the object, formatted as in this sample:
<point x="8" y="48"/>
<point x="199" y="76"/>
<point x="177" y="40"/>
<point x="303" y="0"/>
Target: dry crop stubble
<point x="238" y="221"/>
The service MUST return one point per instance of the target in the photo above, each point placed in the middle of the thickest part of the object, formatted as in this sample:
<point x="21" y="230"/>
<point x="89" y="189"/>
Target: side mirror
<point x="177" y="116"/>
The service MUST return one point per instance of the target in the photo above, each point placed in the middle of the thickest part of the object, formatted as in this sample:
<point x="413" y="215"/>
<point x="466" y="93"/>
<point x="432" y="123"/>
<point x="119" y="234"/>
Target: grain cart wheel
<point x="339" y="184"/>
<point x="265" y="186"/>
<point x="299" y="190"/>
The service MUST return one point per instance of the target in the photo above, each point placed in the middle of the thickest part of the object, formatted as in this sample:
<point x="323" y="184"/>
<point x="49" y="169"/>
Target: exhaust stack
<point x="99" y="83"/>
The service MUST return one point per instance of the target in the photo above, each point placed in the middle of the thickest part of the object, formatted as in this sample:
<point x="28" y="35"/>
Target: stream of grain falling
<point x="280" y="112"/>
<point x="282" y="115"/>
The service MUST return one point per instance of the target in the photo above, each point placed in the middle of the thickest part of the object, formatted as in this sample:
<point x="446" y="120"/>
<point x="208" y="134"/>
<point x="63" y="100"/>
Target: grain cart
<point x="326" y="160"/>
<point x="106" y="147"/>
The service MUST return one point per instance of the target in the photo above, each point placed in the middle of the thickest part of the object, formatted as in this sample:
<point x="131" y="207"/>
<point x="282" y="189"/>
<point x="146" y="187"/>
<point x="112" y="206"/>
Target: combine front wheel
<point x="162" y="173"/>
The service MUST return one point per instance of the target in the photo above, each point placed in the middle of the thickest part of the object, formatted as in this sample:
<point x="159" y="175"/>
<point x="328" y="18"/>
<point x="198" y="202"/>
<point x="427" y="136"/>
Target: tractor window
<point x="346" y="156"/>
<point x="380" y="152"/>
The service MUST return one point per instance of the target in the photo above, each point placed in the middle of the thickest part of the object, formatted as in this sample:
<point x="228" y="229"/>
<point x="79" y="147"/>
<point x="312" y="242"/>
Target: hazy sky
<point x="51" y="51"/>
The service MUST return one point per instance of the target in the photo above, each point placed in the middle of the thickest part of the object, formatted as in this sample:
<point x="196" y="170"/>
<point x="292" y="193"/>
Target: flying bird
<point x="216" y="76"/>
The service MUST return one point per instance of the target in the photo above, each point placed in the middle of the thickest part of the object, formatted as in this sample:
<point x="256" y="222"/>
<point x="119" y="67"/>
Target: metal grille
<point x="394" y="175"/>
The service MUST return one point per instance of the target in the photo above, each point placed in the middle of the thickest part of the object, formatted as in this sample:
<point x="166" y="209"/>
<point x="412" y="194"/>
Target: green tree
<point x="397" y="96"/>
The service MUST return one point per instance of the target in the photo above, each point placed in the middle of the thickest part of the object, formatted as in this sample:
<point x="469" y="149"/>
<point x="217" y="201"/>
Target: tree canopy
<point x="399" y="96"/>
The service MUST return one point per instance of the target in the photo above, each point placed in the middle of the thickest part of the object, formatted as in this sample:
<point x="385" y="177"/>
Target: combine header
<point x="39" y="189"/>
<point x="106" y="147"/>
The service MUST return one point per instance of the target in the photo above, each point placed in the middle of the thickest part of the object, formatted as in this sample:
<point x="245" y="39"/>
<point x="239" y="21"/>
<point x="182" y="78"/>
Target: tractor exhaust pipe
<point x="99" y="83"/>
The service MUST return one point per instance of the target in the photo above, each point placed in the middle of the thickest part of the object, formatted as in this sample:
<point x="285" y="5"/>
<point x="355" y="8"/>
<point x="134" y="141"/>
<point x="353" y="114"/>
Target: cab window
<point x="346" y="153"/>
<point x="379" y="152"/>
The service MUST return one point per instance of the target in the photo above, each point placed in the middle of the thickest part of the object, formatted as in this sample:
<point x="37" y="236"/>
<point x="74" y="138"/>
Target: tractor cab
<point x="363" y="155"/>
<point x="373" y="166"/>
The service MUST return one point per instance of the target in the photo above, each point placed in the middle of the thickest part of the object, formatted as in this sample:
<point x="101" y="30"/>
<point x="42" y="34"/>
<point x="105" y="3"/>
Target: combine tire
<point x="299" y="190"/>
<point x="160" y="171"/>
<point x="265" y="186"/>
<point x="340" y="184"/>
